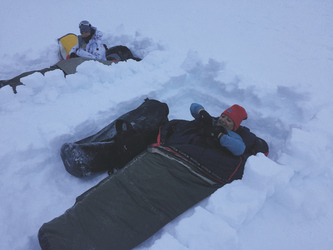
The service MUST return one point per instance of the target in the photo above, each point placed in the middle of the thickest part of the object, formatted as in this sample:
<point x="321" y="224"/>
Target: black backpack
<point x="119" y="53"/>
<point x="118" y="143"/>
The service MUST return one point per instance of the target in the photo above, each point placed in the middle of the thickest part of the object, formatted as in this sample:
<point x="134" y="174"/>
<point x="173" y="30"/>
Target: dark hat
<point x="85" y="26"/>
<point x="237" y="114"/>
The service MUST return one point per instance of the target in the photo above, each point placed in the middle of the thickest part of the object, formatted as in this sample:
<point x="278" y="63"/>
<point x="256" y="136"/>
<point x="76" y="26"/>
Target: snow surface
<point x="275" y="58"/>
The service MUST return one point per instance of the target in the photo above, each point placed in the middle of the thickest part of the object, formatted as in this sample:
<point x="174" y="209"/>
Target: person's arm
<point x="233" y="142"/>
<point x="97" y="52"/>
<point x="72" y="52"/>
<point x="228" y="139"/>
<point x="195" y="108"/>
<point x="79" y="52"/>
<point x="199" y="113"/>
<point x="82" y="53"/>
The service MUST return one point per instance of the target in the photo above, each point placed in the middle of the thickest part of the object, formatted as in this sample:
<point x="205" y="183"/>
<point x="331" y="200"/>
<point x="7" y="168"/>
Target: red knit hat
<point x="237" y="114"/>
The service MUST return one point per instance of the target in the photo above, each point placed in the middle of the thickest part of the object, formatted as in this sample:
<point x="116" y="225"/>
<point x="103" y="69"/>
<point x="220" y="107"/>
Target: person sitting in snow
<point x="89" y="47"/>
<point x="89" y="43"/>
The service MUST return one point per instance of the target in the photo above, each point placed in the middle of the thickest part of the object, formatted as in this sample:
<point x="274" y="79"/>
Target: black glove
<point x="216" y="132"/>
<point x="73" y="55"/>
<point x="205" y="117"/>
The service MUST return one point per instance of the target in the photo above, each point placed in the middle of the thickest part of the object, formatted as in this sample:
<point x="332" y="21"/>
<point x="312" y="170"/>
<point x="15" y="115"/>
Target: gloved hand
<point x="205" y="117"/>
<point x="216" y="132"/>
<point x="73" y="55"/>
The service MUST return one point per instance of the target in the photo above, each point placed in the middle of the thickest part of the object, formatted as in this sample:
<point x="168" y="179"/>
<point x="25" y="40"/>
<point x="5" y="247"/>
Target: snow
<point x="275" y="58"/>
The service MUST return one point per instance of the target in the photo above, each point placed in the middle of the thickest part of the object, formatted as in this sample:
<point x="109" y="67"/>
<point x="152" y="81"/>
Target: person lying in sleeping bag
<point x="189" y="162"/>
<point x="218" y="143"/>
<point x="223" y="127"/>
<point x="226" y="128"/>
<point x="110" y="149"/>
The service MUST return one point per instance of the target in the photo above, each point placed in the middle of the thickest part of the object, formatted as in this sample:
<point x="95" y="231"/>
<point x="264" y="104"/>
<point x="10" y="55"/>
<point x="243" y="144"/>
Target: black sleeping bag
<point x="129" y="206"/>
<point x="126" y="208"/>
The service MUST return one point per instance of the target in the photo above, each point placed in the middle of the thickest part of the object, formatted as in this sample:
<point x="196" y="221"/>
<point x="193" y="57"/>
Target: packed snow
<point x="275" y="58"/>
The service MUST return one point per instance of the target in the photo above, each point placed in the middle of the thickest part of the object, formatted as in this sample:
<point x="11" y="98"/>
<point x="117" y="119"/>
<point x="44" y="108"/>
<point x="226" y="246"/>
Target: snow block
<point x="204" y="230"/>
<point x="264" y="174"/>
<point x="241" y="200"/>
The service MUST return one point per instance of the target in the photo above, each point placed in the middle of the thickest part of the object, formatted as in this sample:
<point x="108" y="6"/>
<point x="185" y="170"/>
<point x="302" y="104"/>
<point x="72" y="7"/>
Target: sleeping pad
<point x="128" y="207"/>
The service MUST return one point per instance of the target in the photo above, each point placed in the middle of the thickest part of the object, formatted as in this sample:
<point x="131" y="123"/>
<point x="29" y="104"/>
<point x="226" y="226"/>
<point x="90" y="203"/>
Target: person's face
<point x="226" y="122"/>
<point x="85" y="34"/>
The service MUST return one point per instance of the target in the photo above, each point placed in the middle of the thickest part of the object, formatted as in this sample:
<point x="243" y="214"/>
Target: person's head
<point x="85" y="28"/>
<point x="232" y="117"/>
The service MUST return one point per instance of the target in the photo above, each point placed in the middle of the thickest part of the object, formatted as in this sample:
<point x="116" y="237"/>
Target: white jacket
<point x="94" y="49"/>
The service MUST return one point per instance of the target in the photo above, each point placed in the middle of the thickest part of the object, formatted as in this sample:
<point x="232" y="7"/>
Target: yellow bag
<point x="66" y="43"/>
